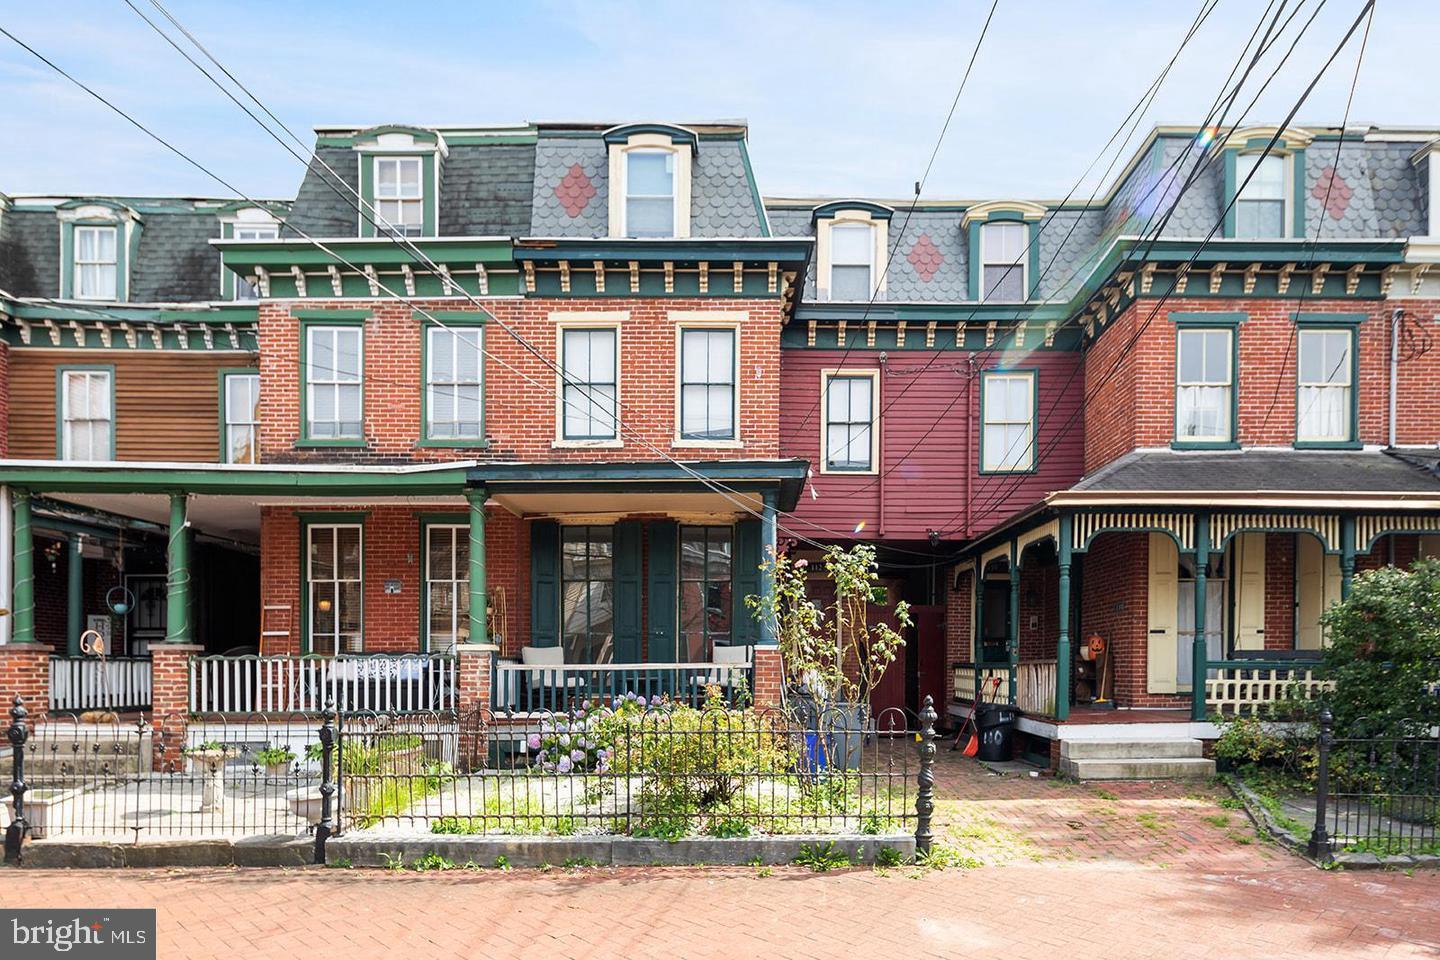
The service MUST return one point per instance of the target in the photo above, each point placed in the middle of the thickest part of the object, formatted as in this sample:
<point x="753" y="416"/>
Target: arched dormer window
<point x="1266" y="183"/>
<point x="400" y="181"/>
<point x="98" y="239"/>
<point x="1004" y="254"/>
<point x="851" y="238"/>
<point x="650" y="180"/>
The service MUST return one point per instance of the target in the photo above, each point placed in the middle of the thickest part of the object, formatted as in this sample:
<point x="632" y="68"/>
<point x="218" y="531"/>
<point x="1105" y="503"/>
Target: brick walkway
<point x="1132" y="870"/>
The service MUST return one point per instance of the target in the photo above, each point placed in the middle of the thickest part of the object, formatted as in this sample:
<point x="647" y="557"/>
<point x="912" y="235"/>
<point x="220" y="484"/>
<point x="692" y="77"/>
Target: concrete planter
<point x="305" y="803"/>
<point x="41" y="808"/>
<point x="209" y="765"/>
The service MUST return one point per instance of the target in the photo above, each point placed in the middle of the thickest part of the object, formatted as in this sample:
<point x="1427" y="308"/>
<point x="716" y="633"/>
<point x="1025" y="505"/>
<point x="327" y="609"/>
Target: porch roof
<point x="1265" y="471"/>
<point x="56" y="476"/>
<point x="506" y="481"/>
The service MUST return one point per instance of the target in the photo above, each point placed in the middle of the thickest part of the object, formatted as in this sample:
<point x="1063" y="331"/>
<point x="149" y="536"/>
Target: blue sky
<point x="842" y="97"/>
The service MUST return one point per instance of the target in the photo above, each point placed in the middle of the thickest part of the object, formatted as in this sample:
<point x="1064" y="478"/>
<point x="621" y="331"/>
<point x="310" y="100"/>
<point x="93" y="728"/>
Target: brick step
<point x="1154" y="768"/>
<point x="1157" y="749"/>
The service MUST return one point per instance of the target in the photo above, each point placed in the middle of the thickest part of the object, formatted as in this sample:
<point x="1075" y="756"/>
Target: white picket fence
<point x="89" y="683"/>
<point x="387" y="683"/>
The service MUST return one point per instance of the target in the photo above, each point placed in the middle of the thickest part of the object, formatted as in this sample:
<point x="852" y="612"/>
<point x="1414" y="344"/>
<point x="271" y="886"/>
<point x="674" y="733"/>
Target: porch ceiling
<point x="229" y="518"/>
<point x="580" y="504"/>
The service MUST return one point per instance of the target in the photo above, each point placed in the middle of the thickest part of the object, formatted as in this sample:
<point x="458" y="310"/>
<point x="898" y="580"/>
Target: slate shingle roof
<point x="1310" y="471"/>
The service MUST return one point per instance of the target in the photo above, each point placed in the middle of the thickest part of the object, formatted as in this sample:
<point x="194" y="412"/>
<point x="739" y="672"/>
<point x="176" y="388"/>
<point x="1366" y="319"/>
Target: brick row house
<point x="489" y="417"/>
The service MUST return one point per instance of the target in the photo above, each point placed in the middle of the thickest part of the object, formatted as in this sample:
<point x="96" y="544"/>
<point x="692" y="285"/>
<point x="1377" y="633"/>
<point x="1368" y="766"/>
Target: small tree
<point x="834" y="652"/>
<point x="1384" y="653"/>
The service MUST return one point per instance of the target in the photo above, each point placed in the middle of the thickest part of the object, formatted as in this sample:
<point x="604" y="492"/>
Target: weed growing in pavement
<point x="822" y="858"/>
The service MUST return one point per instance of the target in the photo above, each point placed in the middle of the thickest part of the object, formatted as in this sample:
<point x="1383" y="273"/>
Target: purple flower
<point x="534" y="741"/>
<point x="565" y="740"/>
<point x="564" y="765"/>
<point x="577" y="755"/>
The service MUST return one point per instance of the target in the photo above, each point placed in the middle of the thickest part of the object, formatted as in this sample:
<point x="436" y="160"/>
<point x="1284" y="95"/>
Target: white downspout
<point x="7" y="554"/>
<point x="1395" y="316"/>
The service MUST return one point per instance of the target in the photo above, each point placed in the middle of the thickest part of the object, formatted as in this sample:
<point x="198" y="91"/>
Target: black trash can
<point x="996" y="724"/>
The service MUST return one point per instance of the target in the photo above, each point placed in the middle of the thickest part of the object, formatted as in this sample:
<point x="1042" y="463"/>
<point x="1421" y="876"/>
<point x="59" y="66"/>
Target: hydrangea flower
<point x="533" y="741"/>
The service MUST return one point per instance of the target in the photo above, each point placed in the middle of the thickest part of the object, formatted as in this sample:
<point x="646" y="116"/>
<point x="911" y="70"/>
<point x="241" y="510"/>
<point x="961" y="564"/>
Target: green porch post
<point x="23" y="596"/>
<point x="1347" y="554"/>
<point x="1199" y="654"/>
<point x="177" y="578"/>
<point x="74" y="592"/>
<point x="1012" y="640"/>
<point x="478" y="599"/>
<point x="1062" y="643"/>
<point x="769" y="543"/>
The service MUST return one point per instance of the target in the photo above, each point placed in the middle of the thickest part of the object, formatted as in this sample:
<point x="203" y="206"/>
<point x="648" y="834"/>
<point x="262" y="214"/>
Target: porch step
<point x="1172" y="758"/>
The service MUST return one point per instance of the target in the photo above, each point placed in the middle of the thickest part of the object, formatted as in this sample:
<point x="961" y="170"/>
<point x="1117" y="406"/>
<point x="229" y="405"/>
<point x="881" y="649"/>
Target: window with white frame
<point x="454" y="383"/>
<point x="650" y="193"/>
<point x="707" y="384"/>
<point x="334" y="383"/>
<point x="1260" y="204"/>
<point x="1326" y="394"/>
<point x="334" y="574"/>
<point x="87" y="428"/>
<point x="244" y="289"/>
<point x="1008" y="417"/>
<point x="399" y="195"/>
<point x="850" y="430"/>
<point x="242" y="417"/>
<point x="588" y="395"/>
<point x="95" y="262"/>
<point x="1204" y="385"/>
<point x="447" y="586"/>
<point x="1003" y="249"/>
<point x="852" y="261"/>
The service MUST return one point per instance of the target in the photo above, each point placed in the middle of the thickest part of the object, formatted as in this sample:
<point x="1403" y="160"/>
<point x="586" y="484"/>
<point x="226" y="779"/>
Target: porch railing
<point x="1252" y="687"/>
<point x="528" y="688"/>
<point x="391" y="683"/>
<point x="970" y="678"/>
<point x="1035" y="687"/>
<point x="89" y="683"/>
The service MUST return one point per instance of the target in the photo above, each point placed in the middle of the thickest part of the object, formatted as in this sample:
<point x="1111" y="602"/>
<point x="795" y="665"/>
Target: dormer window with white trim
<point x="400" y="195"/>
<point x="399" y="181"/>
<point x="96" y="262"/>
<point x="1260" y="204"/>
<point x="851" y="238"/>
<point x="649" y="174"/>
<point x="852" y="261"/>
<point x="97" y="240"/>
<point x="650" y="193"/>
<point x="1271" y="205"/>
<point x="1003" y="254"/>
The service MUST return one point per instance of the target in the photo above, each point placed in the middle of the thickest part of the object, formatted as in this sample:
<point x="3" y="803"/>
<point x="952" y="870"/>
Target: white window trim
<point x="244" y="218"/>
<point x="879" y="235"/>
<point x="227" y="424"/>
<point x="460" y="532"/>
<point x="66" y="421"/>
<point x="123" y="220"/>
<point x="600" y="320"/>
<point x="825" y="376"/>
<point x="400" y="143"/>
<point x="618" y="180"/>
<point x="1024" y="264"/>
<point x="375" y="160"/>
<point x="708" y="320"/>
<point x="310" y="582"/>
<point x="1287" y="185"/>
<point x="987" y="379"/>
<point x="471" y="336"/>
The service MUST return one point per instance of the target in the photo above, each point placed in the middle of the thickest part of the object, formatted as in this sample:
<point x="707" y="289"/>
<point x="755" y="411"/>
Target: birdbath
<point x="209" y="762"/>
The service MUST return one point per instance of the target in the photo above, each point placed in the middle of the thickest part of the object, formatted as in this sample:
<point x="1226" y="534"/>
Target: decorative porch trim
<point x="1050" y="531"/>
<point x="1326" y="527"/>
<point x="1369" y="529"/>
<point x="1003" y="550"/>
<point x="1088" y="526"/>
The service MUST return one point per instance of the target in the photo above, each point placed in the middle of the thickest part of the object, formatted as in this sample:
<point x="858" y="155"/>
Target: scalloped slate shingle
<point x="903" y="282"/>
<point x="722" y="203"/>
<point x="554" y="158"/>
<point x="1068" y="239"/>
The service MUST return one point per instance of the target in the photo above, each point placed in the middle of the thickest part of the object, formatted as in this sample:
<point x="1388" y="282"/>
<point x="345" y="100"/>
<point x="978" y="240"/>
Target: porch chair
<point x="557" y="682"/>
<point x="728" y="672"/>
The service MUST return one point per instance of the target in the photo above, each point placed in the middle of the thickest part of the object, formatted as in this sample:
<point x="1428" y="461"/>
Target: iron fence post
<point x="327" y="786"/>
<point x="1320" y="847"/>
<point x="925" y="799"/>
<point x="17" y="734"/>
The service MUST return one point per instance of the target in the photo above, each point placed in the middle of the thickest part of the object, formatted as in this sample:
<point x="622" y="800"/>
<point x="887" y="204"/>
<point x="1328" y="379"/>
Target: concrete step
<point x="1157" y="749"/>
<point x="1175" y="768"/>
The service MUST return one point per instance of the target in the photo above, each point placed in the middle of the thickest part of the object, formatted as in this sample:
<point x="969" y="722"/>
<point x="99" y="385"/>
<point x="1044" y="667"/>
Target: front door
<point x="929" y="657"/>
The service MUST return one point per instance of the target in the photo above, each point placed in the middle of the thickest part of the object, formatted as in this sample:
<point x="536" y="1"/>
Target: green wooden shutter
<point x="746" y="629"/>
<point x="664" y="590"/>
<point x="627" y="591"/>
<point x="544" y="583"/>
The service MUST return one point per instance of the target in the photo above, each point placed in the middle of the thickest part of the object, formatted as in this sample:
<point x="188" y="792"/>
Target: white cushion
<point x="549" y="656"/>
<point x="731" y="655"/>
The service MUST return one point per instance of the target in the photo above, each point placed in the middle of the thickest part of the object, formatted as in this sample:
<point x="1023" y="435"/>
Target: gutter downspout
<point x="1395" y="317"/>
<point x="880" y="441"/>
<point x="970" y="414"/>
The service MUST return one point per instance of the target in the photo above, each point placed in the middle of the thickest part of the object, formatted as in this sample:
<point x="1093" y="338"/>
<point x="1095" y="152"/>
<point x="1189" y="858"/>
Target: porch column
<point x="1347" y="554"/>
<point x="1062" y="643"/>
<point x="768" y="552"/>
<point x="478" y="600"/>
<point x="74" y="591"/>
<point x="23" y="611"/>
<point x="7" y="558"/>
<point x="1199" y="653"/>
<point x="1012" y="641"/>
<point x="177" y="579"/>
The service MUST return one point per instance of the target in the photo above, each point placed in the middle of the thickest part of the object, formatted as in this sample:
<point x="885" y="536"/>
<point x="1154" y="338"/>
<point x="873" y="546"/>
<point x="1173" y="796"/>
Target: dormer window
<point x="1265" y="183"/>
<point x="851" y="237"/>
<point x="96" y="240"/>
<point x="253" y="224"/>
<point x="95" y="263"/>
<point x="1260" y="203"/>
<point x="852" y="268"/>
<point x="650" y="193"/>
<point x="399" y="195"/>
<point x="1002" y="261"/>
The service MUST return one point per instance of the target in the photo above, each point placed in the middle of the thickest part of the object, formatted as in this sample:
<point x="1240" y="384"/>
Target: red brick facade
<point x="25" y="672"/>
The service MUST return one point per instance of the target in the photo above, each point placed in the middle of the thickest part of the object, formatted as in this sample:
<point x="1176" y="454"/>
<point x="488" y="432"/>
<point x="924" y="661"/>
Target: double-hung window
<point x="1326" y="395"/>
<point x="1002" y="261"/>
<point x="334" y="382"/>
<point x="850" y="428"/>
<point x="587" y="593"/>
<point x="334" y="573"/>
<point x="454" y="383"/>
<point x="1007" y="403"/>
<point x="1204" y="386"/>
<point x="852" y="261"/>
<point x="707" y="384"/>
<point x="589" y="388"/>
<point x="95" y="263"/>
<point x="87" y="414"/>
<point x="650" y="193"/>
<point x="705" y="591"/>
<point x="244" y="289"/>
<point x="399" y="195"/>
<point x="447" y="586"/>
<point x="1260" y="204"/>
<point x="242" y="417"/>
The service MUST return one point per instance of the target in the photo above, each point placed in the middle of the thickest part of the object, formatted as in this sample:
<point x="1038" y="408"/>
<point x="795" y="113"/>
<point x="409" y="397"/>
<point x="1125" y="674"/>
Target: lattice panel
<point x="1251" y="691"/>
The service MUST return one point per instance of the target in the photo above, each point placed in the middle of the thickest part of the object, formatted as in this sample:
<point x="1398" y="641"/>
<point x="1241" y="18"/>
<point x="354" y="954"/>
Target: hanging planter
<point x="120" y="600"/>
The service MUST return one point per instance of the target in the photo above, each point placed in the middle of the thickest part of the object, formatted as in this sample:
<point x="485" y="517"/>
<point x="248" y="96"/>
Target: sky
<point x="843" y="98"/>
